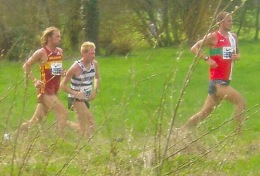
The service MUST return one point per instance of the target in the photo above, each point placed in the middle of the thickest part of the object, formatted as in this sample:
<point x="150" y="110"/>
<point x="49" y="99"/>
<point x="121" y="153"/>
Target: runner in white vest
<point x="84" y="78"/>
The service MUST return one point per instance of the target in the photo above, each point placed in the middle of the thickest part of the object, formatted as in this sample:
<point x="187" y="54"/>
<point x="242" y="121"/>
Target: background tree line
<point x="117" y="26"/>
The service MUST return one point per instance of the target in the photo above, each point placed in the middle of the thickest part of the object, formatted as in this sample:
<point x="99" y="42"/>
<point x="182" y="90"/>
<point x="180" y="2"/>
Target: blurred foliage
<point x="117" y="26"/>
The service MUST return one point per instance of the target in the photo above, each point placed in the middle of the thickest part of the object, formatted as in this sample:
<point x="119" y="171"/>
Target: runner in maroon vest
<point x="51" y="72"/>
<point x="49" y="58"/>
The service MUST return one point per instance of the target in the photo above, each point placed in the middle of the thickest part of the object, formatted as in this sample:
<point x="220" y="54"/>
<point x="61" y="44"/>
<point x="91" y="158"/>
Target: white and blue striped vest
<point x="84" y="81"/>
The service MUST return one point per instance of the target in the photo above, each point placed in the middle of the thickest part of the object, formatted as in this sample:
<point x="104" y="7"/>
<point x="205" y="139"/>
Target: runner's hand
<point x="81" y="95"/>
<point x="212" y="63"/>
<point x="64" y="72"/>
<point x="235" y="57"/>
<point x="92" y="95"/>
<point x="38" y="84"/>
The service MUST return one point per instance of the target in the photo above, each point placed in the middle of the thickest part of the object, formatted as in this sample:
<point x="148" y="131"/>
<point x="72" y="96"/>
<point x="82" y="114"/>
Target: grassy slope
<point x="137" y="93"/>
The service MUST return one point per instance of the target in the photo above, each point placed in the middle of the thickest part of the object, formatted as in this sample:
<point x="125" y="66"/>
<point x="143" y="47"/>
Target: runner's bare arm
<point x="209" y="41"/>
<point x="236" y="56"/>
<point x="197" y="48"/>
<point x="96" y="82"/>
<point x="35" y="58"/>
<point x="66" y="79"/>
<point x="97" y="76"/>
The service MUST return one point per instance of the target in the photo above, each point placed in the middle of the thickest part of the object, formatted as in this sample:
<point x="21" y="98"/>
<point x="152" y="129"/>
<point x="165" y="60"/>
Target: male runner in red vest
<point x="223" y="54"/>
<point x="49" y="58"/>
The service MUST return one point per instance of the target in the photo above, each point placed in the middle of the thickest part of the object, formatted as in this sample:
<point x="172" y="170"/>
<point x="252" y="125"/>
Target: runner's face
<point x="89" y="55"/>
<point x="56" y="38"/>
<point x="227" y="23"/>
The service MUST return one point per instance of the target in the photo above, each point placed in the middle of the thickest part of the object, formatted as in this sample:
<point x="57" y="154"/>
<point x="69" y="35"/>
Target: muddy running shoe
<point x="7" y="136"/>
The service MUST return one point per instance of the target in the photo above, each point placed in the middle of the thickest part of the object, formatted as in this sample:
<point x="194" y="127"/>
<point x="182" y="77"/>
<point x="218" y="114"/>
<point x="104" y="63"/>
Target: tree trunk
<point x="242" y="19"/>
<point x="257" y="20"/>
<point x="74" y="25"/>
<point x="165" y="25"/>
<point x="90" y="19"/>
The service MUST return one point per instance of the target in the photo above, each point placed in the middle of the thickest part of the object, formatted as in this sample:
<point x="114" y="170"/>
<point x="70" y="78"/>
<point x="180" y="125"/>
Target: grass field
<point x="134" y="107"/>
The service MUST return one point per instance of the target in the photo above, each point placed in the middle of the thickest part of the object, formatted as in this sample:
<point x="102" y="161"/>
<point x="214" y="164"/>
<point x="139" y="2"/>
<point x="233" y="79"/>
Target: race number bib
<point x="56" y="68"/>
<point x="87" y="90"/>
<point x="227" y="52"/>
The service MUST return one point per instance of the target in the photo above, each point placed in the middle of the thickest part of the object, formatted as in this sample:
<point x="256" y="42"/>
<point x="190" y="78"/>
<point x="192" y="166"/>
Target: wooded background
<point x="118" y="26"/>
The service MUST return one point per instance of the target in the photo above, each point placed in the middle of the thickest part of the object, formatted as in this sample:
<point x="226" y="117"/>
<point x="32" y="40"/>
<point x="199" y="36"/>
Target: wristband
<point x="206" y="58"/>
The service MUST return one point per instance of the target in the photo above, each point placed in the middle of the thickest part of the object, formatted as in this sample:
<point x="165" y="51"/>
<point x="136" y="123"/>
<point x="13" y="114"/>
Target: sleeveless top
<point x="221" y="54"/>
<point x="83" y="82"/>
<point x="51" y="72"/>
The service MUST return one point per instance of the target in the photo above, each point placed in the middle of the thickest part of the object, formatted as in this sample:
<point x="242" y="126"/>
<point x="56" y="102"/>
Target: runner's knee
<point x="241" y="104"/>
<point x="206" y="111"/>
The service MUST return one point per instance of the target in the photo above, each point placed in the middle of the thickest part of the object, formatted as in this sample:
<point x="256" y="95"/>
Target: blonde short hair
<point x="86" y="45"/>
<point x="48" y="32"/>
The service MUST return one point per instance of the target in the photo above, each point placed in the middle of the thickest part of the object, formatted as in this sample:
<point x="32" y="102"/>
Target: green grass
<point x="137" y="97"/>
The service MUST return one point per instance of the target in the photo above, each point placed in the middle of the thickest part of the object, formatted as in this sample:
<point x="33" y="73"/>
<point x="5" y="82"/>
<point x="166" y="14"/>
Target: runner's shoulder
<point x="212" y="35"/>
<point x="39" y="53"/>
<point x="211" y="38"/>
<point x="233" y="34"/>
<point x="59" y="49"/>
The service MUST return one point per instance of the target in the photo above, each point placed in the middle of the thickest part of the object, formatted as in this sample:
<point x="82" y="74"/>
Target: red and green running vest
<point x="221" y="54"/>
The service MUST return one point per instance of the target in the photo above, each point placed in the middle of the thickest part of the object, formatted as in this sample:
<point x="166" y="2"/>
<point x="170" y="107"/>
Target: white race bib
<point x="227" y="52"/>
<point x="87" y="90"/>
<point x="56" y="68"/>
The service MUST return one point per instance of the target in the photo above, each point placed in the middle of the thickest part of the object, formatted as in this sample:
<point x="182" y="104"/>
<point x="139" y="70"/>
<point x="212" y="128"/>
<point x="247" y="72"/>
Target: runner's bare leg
<point x="212" y="101"/>
<point x="231" y="95"/>
<point x="85" y="119"/>
<point x="55" y="105"/>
